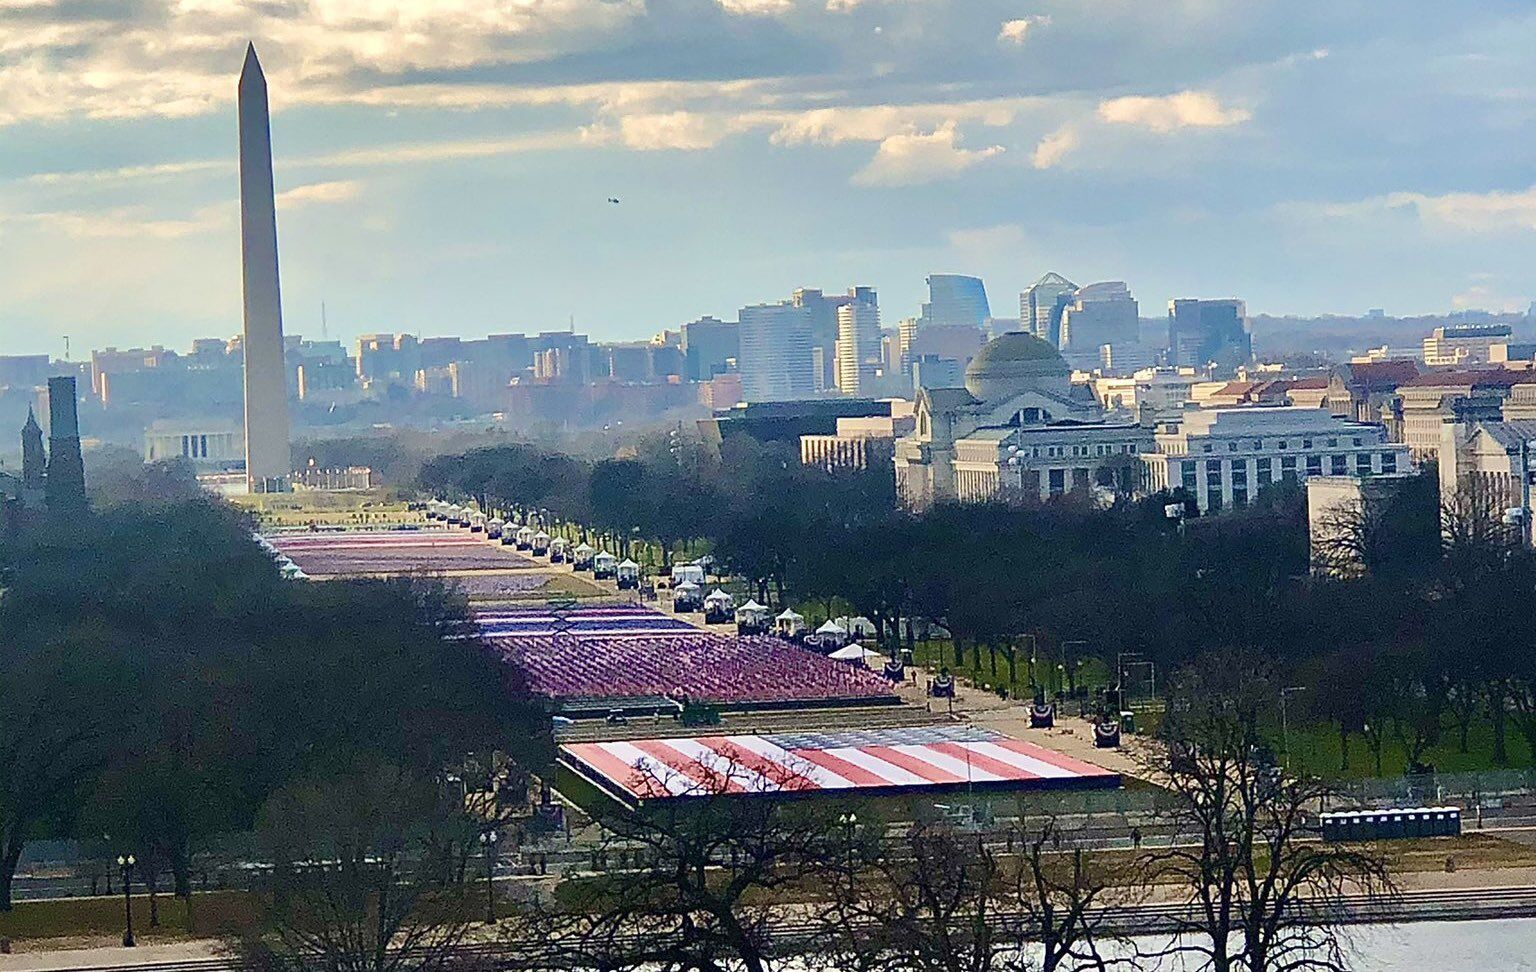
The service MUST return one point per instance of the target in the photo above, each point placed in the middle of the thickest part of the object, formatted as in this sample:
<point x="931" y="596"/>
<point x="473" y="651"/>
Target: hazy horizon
<point x="444" y="167"/>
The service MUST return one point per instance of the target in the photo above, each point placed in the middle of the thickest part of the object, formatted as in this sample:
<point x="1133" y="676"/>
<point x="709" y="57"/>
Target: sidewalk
<point x="56" y="955"/>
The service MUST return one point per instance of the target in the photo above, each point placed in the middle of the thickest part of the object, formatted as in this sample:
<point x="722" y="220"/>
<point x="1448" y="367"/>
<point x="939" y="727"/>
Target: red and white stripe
<point x="752" y="764"/>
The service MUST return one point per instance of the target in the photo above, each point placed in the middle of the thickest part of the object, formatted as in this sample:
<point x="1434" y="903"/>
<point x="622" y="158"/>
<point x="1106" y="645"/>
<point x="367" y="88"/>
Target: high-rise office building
<point x="268" y="461"/>
<point x="709" y="346"/>
<point x="858" y="342"/>
<point x="955" y="300"/>
<point x="822" y="309"/>
<point x="775" y="361"/>
<point x="1098" y="314"/>
<point x="1205" y="332"/>
<point x="1040" y="307"/>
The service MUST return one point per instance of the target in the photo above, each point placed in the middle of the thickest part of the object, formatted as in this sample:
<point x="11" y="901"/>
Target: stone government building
<point x="1019" y="427"/>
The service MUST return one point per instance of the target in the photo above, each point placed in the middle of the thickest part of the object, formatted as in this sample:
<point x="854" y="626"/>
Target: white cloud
<point x="321" y="193"/>
<point x="670" y="130"/>
<point x="917" y="158"/>
<point x="876" y="123"/>
<point x="1482" y="296"/>
<point x="1496" y="211"/>
<point x="1055" y="146"/>
<point x="757" y="8"/>
<point x="1016" y="32"/>
<point x="1472" y="212"/>
<point x="985" y="240"/>
<point x="1167" y="113"/>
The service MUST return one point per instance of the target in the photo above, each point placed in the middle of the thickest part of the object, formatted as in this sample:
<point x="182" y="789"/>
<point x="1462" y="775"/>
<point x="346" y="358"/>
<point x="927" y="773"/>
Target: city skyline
<point x="1303" y="160"/>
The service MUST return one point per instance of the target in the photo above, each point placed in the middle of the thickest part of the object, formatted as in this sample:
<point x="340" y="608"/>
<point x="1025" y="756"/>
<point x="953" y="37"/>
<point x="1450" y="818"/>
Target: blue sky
<point x="443" y="165"/>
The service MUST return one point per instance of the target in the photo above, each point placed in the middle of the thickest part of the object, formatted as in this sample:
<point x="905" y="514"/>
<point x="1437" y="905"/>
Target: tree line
<point x="161" y="685"/>
<point x="1416" y="646"/>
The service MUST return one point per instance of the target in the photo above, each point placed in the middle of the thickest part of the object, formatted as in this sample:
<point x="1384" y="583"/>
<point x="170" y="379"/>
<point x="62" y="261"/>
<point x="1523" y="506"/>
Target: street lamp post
<point x="849" y="822"/>
<point x="126" y="862"/>
<point x="488" y="841"/>
<point x="1285" y="723"/>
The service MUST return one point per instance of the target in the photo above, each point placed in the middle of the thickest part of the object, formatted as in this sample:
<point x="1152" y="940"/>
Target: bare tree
<point x="691" y="874"/>
<point x="941" y="899"/>
<point x="353" y="887"/>
<point x="1262" y="897"/>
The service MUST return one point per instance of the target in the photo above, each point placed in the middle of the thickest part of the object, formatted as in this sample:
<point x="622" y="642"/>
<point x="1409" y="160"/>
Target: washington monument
<point x="267" y="457"/>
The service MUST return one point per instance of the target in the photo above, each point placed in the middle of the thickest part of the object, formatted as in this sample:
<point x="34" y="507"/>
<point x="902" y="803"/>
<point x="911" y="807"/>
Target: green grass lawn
<point x="212" y="914"/>
<point x="1315" y="749"/>
<point x="980" y="673"/>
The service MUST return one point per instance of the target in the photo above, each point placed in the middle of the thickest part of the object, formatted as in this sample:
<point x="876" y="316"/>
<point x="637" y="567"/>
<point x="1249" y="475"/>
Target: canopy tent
<point x="753" y="607"/>
<point x="687" y="586"/>
<point x="541" y="537"/>
<point x="832" y="628"/>
<point x="717" y="596"/>
<point x="584" y="550"/>
<point x="629" y="565"/>
<point x="790" y="615"/>
<point x="606" y="559"/>
<point x="687" y="572"/>
<point x="855" y="653"/>
<point x="559" y="543"/>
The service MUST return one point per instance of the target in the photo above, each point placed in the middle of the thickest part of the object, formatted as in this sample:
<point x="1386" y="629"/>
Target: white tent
<point x="832" y="628"/>
<point x="855" y="653"/>
<point x="629" y="565"/>
<point x="687" y="586"/>
<point x="584" y="550"/>
<point x="717" y="596"/>
<point x="605" y="559"/>
<point x="790" y="615"/>
<point x="559" y="543"/>
<point x="687" y="572"/>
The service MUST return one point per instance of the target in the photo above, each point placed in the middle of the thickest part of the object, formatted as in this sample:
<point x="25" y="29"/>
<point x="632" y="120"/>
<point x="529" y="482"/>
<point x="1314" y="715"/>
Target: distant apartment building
<point x="1459" y="344"/>
<point x="1224" y="456"/>
<point x="775" y="362"/>
<point x="1098" y="314"/>
<point x="710" y="347"/>
<point x="1041" y="305"/>
<point x="859" y="349"/>
<point x="861" y="442"/>
<point x="1204" y="333"/>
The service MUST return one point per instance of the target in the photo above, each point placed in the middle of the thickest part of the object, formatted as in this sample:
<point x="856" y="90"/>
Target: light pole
<point x="126" y="862"/>
<point x="488" y="841"/>
<point x="1285" y="723"/>
<point x="849" y="822"/>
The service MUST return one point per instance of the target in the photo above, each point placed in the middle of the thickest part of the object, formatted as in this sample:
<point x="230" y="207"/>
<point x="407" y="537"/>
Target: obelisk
<point x="267" y="457"/>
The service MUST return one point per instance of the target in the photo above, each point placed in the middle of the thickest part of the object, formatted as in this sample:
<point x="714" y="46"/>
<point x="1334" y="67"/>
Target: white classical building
<point x="1042" y="461"/>
<point x="1224" y="456"/>
<point x="1018" y="395"/>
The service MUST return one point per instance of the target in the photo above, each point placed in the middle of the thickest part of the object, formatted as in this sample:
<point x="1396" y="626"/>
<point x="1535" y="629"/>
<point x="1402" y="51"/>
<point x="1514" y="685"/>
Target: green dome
<point x="1013" y="363"/>
<point x="1014" y="346"/>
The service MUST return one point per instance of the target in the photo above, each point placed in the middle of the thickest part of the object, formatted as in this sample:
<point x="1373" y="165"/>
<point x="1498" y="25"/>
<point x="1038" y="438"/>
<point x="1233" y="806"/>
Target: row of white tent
<point x="285" y="564"/>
